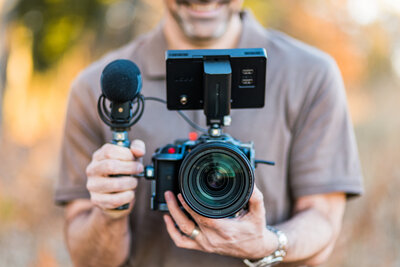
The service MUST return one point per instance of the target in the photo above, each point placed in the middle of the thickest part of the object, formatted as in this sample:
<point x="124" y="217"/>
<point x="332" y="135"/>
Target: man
<point x="304" y="127"/>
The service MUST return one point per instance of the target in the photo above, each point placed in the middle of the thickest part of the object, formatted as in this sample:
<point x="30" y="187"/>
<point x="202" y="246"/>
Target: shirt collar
<point x="253" y="36"/>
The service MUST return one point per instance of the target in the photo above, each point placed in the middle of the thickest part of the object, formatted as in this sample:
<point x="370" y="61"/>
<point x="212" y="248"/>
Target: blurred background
<point x="45" y="43"/>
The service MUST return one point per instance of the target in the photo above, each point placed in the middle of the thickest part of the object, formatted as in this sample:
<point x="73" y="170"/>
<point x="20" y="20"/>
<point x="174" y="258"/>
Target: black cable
<point x="155" y="99"/>
<point x="191" y="123"/>
<point x="183" y="115"/>
<point x="259" y="161"/>
<point x="138" y="106"/>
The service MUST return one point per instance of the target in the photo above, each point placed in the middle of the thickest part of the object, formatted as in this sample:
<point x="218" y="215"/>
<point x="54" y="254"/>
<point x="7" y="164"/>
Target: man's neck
<point x="176" y="39"/>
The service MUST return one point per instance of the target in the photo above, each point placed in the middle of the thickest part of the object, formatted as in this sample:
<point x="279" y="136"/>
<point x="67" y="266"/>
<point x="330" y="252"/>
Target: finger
<point x="110" y="151"/>
<point x="256" y="202"/>
<point x="179" y="239"/>
<point x="110" y="166"/>
<point x="184" y="223"/>
<point x="111" y="185"/>
<point x="201" y="220"/>
<point x="112" y="201"/>
<point x="138" y="148"/>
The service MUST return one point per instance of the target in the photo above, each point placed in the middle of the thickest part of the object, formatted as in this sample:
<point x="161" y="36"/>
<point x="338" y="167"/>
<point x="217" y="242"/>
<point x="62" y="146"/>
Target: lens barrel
<point x="216" y="179"/>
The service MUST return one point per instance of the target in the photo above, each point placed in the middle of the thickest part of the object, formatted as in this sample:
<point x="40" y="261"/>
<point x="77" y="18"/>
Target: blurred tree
<point x="57" y="25"/>
<point x="319" y="24"/>
<point x="4" y="48"/>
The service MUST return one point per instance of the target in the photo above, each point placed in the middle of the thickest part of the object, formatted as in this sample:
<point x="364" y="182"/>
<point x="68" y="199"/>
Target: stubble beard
<point x="191" y="33"/>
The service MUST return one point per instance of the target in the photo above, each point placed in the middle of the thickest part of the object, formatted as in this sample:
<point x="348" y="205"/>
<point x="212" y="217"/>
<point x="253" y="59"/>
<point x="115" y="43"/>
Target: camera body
<point x="214" y="174"/>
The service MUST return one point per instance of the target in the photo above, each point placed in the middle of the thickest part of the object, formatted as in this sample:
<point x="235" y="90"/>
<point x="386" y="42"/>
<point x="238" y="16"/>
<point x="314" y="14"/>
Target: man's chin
<point x="201" y="40"/>
<point x="205" y="35"/>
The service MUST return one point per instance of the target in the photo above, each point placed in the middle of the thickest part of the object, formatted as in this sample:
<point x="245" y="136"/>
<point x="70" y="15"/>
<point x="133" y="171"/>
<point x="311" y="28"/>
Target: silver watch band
<point x="277" y="256"/>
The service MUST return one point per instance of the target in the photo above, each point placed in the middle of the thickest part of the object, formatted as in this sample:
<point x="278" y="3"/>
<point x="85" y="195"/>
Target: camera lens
<point x="216" y="179"/>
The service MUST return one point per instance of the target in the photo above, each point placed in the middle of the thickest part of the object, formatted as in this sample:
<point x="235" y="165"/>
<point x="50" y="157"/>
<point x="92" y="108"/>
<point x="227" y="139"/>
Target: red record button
<point x="193" y="136"/>
<point x="171" y="150"/>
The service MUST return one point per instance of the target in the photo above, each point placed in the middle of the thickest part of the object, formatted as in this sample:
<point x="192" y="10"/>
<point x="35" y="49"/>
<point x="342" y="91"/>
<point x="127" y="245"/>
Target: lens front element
<point x="216" y="179"/>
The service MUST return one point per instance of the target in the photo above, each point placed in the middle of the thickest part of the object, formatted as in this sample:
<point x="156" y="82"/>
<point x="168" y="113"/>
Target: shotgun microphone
<point x="121" y="105"/>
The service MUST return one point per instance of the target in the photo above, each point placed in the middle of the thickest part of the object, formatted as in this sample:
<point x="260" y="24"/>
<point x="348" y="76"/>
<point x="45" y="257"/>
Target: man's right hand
<point x="106" y="192"/>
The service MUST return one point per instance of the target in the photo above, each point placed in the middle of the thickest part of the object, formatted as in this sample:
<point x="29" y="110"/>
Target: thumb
<point x="256" y="202"/>
<point x="138" y="148"/>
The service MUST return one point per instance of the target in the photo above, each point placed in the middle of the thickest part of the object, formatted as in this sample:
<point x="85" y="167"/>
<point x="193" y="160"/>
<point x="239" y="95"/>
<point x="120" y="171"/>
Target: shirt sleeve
<point x="82" y="136"/>
<point x="324" y="156"/>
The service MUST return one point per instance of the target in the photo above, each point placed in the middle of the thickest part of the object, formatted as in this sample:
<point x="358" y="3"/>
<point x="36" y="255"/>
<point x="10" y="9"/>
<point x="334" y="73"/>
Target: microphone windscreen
<point x="121" y="81"/>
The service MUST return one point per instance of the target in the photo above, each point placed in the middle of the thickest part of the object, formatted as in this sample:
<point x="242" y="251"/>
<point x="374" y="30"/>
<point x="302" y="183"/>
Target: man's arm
<point x="96" y="234"/>
<point x="312" y="231"/>
<point x="93" y="238"/>
<point x="314" y="227"/>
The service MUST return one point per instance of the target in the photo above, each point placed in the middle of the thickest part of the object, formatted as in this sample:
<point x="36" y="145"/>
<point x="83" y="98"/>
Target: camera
<point x="215" y="172"/>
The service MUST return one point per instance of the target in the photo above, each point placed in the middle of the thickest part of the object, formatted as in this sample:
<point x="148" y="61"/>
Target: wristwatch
<point x="277" y="256"/>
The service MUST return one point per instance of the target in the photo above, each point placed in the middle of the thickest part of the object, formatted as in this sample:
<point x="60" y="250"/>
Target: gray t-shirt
<point x="304" y="127"/>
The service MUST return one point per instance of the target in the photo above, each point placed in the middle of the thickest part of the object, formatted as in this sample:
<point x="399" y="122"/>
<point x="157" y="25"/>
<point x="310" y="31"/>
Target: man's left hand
<point x="242" y="237"/>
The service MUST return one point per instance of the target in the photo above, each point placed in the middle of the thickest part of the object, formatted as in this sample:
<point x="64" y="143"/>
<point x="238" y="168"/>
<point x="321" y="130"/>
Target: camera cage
<point x="215" y="81"/>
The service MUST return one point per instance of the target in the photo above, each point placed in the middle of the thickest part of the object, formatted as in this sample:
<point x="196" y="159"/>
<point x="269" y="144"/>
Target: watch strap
<point x="277" y="256"/>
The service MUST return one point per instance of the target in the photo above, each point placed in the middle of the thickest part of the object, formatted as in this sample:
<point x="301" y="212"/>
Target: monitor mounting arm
<point x="217" y="79"/>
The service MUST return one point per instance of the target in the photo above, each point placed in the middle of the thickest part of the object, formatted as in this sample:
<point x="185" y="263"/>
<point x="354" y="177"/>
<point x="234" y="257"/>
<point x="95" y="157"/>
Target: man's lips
<point x="202" y="9"/>
<point x="187" y="2"/>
